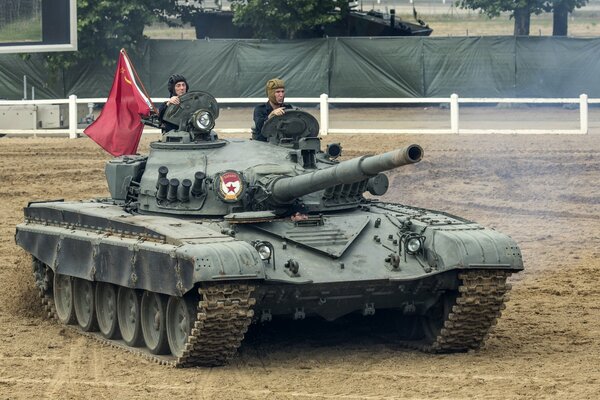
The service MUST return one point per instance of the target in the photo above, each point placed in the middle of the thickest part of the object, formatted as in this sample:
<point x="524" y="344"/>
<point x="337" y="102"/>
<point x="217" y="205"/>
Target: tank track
<point x="224" y="314"/>
<point x="480" y="302"/>
<point x="222" y="318"/>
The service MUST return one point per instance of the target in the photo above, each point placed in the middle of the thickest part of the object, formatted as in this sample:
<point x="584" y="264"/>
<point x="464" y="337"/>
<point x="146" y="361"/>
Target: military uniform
<point x="261" y="114"/>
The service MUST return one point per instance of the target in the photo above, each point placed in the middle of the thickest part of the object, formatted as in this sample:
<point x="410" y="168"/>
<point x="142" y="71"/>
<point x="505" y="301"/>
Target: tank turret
<point x="192" y="172"/>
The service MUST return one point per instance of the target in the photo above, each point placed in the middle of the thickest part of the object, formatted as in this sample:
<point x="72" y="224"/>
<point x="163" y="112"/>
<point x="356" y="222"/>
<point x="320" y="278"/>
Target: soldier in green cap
<point x="275" y="89"/>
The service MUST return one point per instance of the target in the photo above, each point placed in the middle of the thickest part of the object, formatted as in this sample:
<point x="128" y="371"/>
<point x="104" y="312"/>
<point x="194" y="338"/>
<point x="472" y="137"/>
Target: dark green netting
<point x="14" y="67"/>
<point x="469" y="67"/>
<point x="557" y="67"/>
<point x="302" y="64"/>
<point x="342" y="67"/>
<point x="363" y="67"/>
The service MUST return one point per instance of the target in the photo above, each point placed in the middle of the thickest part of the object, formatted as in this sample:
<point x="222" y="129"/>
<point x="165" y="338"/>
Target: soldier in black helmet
<point x="177" y="85"/>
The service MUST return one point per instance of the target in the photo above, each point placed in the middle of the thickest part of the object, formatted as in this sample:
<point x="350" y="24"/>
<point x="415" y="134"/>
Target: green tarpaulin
<point x="341" y="67"/>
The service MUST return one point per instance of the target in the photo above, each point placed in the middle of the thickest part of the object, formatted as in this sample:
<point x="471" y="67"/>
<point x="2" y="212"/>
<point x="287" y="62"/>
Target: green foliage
<point x="284" y="19"/>
<point x="569" y="5"/>
<point x="105" y="26"/>
<point x="493" y="8"/>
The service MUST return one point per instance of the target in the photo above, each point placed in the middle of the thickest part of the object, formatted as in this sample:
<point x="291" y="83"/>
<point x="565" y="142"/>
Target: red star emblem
<point x="230" y="186"/>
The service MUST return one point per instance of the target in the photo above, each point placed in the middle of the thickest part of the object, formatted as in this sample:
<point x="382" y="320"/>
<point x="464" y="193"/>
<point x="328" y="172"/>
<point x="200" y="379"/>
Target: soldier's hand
<point x="277" y="112"/>
<point x="173" y="100"/>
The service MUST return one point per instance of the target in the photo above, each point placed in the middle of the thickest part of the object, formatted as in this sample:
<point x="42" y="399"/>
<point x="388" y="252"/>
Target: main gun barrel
<point x="350" y="171"/>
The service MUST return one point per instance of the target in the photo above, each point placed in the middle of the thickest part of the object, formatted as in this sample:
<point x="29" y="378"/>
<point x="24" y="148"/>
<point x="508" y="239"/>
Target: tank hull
<point x="328" y="266"/>
<point x="91" y="240"/>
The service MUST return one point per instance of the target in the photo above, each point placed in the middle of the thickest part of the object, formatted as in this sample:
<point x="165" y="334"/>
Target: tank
<point x="205" y="236"/>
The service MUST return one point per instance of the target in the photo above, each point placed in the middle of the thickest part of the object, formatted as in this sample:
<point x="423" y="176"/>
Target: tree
<point x="520" y="10"/>
<point x="105" y="26"/>
<point x="560" y="14"/>
<point x="284" y="19"/>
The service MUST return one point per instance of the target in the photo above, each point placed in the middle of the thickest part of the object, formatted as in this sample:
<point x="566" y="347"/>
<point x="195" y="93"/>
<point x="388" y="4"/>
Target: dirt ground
<point x="542" y="190"/>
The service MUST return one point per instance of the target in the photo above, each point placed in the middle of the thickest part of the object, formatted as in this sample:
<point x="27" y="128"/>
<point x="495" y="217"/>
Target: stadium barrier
<point x="324" y="102"/>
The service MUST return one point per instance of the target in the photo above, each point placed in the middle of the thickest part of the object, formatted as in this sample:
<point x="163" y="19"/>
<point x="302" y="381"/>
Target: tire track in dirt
<point x="68" y="369"/>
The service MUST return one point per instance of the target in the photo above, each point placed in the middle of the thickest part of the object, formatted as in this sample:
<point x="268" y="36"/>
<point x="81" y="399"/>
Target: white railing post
<point x="583" y="113"/>
<point x="72" y="116"/>
<point x="324" y="113"/>
<point x="454" y="113"/>
<point x="324" y="118"/>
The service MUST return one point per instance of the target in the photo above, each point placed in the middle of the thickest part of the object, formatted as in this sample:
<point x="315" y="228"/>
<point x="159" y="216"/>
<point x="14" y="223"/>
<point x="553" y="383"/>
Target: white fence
<point x="324" y="101"/>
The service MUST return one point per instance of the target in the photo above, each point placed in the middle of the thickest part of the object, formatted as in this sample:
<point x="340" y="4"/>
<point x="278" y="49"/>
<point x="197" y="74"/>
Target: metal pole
<point x="583" y="113"/>
<point x="72" y="116"/>
<point x="324" y="108"/>
<point x="454" y="113"/>
<point x="24" y="87"/>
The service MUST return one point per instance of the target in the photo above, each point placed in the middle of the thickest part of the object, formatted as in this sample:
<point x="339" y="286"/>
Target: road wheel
<point x="128" y="315"/>
<point x="154" y="328"/>
<point x="85" y="310"/>
<point x="181" y="316"/>
<point x="63" y="298"/>
<point x="106" y="310"/>
<point x="436" y="316"/>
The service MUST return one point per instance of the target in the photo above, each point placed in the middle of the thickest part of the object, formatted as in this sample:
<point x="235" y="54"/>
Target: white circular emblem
<point x="230" y="186"/>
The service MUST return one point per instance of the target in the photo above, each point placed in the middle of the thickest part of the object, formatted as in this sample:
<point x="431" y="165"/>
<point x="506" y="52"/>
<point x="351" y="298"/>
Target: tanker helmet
<point x="173" y="79"/>
<point x="272" y="85"/>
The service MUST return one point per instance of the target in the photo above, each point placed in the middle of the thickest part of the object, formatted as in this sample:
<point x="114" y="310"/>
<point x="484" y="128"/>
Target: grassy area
<point x="29" y="30"/>
<point x="582" y="25"/>
<point x="162" y="31"/>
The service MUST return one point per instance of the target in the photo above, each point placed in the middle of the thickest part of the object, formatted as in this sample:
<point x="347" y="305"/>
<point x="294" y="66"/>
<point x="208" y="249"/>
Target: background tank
<point x="205" y="236"/>
<point x="217" y="23"/>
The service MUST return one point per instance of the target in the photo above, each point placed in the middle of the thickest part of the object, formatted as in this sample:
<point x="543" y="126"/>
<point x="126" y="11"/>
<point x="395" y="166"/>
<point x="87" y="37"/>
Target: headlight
<point x="413" y="245"/>
<point x="203" y="120"/>
<point x="264" y="250"/>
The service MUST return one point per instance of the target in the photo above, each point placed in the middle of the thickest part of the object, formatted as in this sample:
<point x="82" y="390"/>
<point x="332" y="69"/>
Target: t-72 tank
<point x="205" y="236"/>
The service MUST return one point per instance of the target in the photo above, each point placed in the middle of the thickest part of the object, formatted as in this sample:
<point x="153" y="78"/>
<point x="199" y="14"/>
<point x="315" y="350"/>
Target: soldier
<point x="178" y="86"/>
<point x="275" y="89"/>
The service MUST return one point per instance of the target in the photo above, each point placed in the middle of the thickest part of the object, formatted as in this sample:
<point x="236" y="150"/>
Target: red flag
<point x="118" y="129"/>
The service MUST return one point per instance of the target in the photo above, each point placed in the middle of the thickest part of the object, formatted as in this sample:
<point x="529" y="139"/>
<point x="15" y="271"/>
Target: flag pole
<point x="137" y="77"/>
